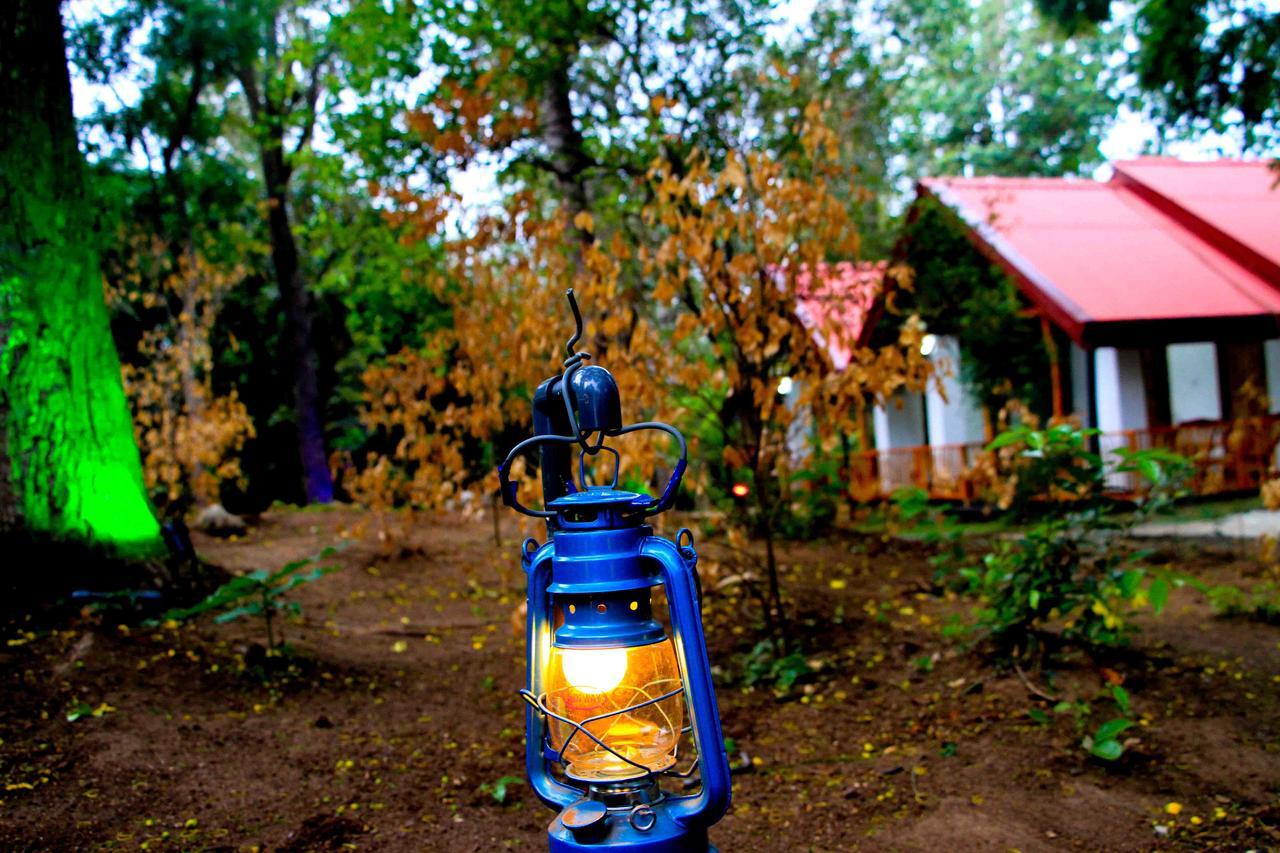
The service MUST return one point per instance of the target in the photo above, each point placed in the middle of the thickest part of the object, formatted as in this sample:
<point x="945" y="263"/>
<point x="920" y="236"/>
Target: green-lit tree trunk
<point x="68" y="462"/>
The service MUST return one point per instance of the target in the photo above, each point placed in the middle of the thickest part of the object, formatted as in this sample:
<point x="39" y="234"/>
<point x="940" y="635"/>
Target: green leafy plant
<point x="1068" y="575"/>
<point x="764" y="667"/>
<point x="1102" y="741"/>
<point x="260" y="593"/>
<point x="1261" y="602"/>
<point x="500" y="789"/>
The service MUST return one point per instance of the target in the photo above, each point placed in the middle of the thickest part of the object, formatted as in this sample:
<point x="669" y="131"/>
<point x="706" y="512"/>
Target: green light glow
<point x="73" y="463"/>
<point x="68" y="463"/>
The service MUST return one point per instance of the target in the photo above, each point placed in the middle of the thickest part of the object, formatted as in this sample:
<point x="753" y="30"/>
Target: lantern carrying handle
<point x="677" y="473"/>
<point x="508" y="487"/>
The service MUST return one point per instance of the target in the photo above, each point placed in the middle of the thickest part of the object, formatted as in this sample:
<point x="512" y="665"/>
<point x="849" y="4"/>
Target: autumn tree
<point x="190" y="435"/>
<point x="739" y="247"/>
<point x="730" y="251"/>
<point x="445" y="413"/>
<point x="68" y="464"/>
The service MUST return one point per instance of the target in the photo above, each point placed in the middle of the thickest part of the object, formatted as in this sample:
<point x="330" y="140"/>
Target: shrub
<point x="1067" y="574"/>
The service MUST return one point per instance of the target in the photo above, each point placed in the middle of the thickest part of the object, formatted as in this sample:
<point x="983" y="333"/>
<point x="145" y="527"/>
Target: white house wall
<point x="1271" y="353"/>
<point x="1120" y="400"/>
<point x="901" y="423"/>
<point x="957" y="419"/>
<point x="1193" y="383"/>
<point x="1079" y="358"/>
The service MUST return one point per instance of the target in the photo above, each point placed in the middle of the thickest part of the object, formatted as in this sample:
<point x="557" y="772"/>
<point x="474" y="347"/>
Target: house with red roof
<point x="1159" y="296"/>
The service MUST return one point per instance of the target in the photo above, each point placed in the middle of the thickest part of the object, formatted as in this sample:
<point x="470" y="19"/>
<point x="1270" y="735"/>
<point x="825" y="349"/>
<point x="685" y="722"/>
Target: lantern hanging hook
<point x="577" y="334"/>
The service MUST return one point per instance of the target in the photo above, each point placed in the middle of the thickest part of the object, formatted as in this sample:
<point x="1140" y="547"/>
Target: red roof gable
<point x="837" y="305"/>
<point x="1106" y="265"/>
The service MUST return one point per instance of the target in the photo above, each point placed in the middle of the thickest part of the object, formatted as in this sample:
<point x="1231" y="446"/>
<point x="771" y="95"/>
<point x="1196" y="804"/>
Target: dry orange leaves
<point x="694" y="302"/>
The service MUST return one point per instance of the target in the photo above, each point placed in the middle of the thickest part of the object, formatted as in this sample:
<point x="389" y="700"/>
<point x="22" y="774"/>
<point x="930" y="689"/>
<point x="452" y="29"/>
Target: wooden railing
<point x="1227" y="456"/>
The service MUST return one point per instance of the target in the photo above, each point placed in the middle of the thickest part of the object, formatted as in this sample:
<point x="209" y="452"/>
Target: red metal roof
<point x="1233" y="204"/>
<point x="1112" y="268"/>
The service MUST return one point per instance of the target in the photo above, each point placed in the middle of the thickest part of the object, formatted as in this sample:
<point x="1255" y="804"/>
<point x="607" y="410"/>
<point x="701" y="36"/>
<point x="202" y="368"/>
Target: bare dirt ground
<point x="396" y="713"/>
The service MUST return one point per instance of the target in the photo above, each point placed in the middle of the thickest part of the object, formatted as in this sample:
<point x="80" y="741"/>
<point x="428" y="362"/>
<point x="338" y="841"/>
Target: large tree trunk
<point x="569" y="158"/>
<point x="69" y="463"/>
<point x="298" y="324"/>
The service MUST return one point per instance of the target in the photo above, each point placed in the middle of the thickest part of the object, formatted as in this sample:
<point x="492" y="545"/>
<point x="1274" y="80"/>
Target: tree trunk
<point x="298" y="322"/>
<point x="569" y="158"/>
<point x="70" y="466"/>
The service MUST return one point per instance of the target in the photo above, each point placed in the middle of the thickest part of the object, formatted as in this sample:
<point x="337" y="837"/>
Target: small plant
<point x="500" y="788"/>
<point x="1068" y="575"/>
<point x="1104" y="740"/>
<point x="260" y="593"/>
<point x="763" y="667"/>
<point x="1261" y="602"/>
<point x="912" y="509"/>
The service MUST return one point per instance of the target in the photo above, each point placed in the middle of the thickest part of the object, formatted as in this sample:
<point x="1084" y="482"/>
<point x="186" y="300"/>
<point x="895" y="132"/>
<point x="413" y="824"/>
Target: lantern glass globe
<point x="583" y="684"/>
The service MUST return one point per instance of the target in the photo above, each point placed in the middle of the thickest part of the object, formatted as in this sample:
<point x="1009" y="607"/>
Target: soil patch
<point x="387" y="726"/>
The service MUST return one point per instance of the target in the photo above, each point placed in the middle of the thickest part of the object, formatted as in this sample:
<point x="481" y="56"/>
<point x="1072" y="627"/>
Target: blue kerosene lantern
<point x="610" y="692"/>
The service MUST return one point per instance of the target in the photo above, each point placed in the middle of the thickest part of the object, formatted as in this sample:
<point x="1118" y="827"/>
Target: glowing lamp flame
<point x="594" y="670"/>
<point x="740" y="490"/>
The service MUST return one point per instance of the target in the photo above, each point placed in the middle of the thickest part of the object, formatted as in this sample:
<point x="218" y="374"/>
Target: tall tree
<point x="282" y="74"/>
<point x="831" y="62"/>
<point x="1210" y="65"/>
<point x="583" y="96"/>
<point x="68" y="463"/>
<point x="987" y="87"/>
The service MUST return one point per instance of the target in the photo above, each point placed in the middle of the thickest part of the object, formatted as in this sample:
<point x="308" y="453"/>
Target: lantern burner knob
<point x="584" y="817"/>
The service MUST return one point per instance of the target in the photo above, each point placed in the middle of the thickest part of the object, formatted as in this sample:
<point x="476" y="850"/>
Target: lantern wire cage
<point x="539" y="703"/>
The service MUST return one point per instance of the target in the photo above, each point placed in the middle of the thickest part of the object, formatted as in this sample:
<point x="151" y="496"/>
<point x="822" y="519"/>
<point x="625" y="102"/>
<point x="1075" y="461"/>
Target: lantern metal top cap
<point x="601" y="497"/>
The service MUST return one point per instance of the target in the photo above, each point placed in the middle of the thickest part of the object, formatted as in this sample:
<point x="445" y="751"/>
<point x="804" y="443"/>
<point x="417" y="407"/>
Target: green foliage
<point x="1053" y="464"/>
<point x="986" y="87"/>
<point x="763" y="667"/>
<point x="913" y="510"/>
<point x="1067" y="574"/>
<point x="1260" y="602"/>
<point x="499" y="788"/>
<point x="816" y="490"/>
<point x="232" y="97"/>
<point x="956" y="291"/>
<point x="260" y="593"/>
<point x="1208" y="65"/>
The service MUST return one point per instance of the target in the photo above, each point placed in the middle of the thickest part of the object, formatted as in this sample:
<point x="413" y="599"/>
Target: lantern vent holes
<point x="573" y="608"/>
<point x="635" y="605"/>
<point x="601" y="607"/>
